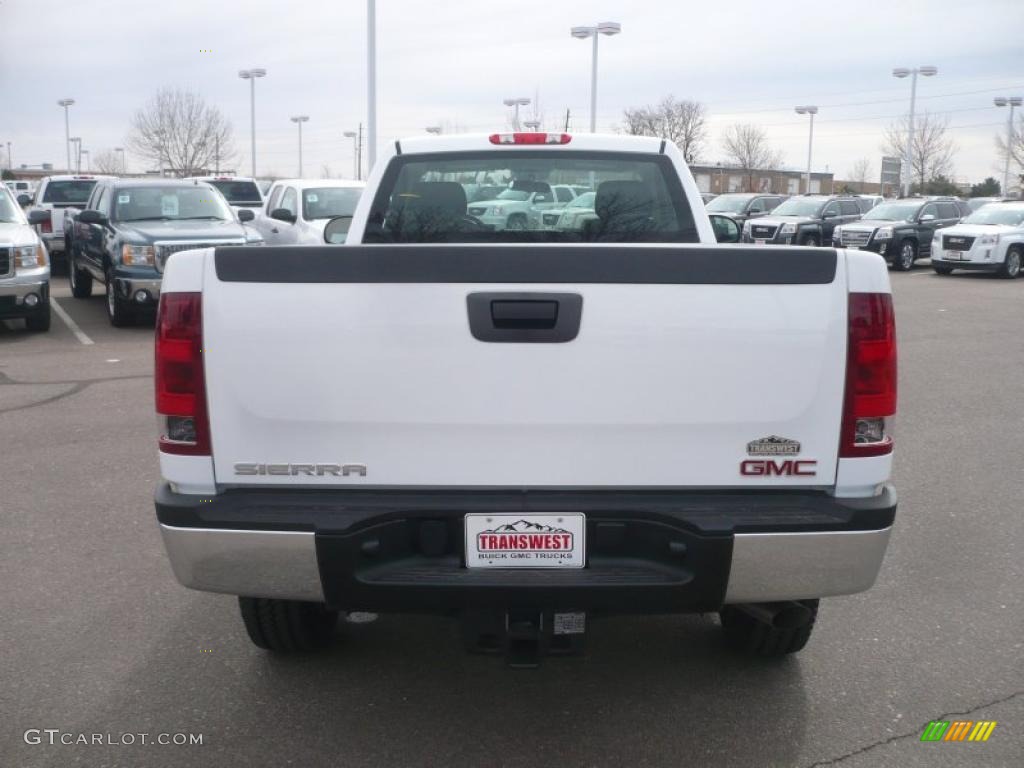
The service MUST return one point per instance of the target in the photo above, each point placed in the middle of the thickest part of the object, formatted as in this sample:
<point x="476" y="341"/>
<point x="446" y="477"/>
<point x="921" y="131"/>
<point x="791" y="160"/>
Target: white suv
<point x="521" y="205"/>
<point x="989" y="240"/>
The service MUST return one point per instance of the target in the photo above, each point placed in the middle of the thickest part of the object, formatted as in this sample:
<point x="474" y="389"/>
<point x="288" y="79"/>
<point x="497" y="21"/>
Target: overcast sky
<point x="453" y="61"/>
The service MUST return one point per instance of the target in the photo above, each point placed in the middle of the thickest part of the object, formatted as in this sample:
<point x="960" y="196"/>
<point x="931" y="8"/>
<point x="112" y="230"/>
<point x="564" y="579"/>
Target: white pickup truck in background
<point x="56" y="195"/>
<point x="526" y="427"/>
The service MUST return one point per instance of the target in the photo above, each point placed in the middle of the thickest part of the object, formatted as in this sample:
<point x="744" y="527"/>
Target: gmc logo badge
<point x="770" y="468"/>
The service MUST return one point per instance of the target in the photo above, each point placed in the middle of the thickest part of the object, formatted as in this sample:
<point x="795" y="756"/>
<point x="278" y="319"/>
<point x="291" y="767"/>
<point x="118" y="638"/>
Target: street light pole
<point x="371" y="81"/>
<point x="811" y="110"/>
<point x="901" y="72"/>
<point x="533" y="125"/>
<point x="582" y="33"/>
<point x="88" y="165"/>
<point x="357" y="151"/>
<point x="124" y="166"/>
<point x="519" y="101"/>
<point x="251" y="75"/>
<point x="999" y="101"/>
<point x="77" y="141"/>
<point x="299" y="120"/>
<point x="67" y="130"/>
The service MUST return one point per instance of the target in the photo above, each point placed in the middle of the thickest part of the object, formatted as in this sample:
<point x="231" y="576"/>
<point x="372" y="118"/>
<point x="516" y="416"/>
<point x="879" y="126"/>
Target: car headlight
<point x="495" y="211"/>
<point x="883" y="233"/>
<point x="788" y="229"/>
<point x="988" y="239"/>
<point x="30" y="256"/>
<point x="138" y="255"/>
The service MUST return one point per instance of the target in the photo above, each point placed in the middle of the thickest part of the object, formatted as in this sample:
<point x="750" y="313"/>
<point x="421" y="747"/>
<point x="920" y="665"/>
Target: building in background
<point x="719" y="179"/>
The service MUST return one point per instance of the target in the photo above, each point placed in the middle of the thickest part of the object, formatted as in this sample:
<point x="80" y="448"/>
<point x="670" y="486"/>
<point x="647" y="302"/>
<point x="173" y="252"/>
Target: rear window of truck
<point x="74" y="192"/>
<point x="437" y="199"/>
<point x="239" y="192"/>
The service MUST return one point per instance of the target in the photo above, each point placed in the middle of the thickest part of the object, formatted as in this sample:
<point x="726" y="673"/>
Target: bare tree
<point x="932" y="149"/>
<point x="1016" y="151"/>
<point x="682" y="122"/>
<point x="861" y="172"/>
<point x="107" y="161"/>
<point x="325" y="172"/>
<point x="747" y="146"/>
<point x="179" y="131"/>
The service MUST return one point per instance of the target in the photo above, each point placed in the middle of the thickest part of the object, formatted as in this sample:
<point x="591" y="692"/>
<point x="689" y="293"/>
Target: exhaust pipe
<point x="788" y="614"/>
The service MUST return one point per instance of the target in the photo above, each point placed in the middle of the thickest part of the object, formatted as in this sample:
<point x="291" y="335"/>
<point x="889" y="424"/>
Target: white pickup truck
<point x="524" y="428"/>
<point x="61" y="197"/>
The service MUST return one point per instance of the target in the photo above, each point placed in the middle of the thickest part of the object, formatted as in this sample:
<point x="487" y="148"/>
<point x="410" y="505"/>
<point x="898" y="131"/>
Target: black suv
<point x="901" y="230"/>
<point x="805" y="220"/>
<point x="741" y="207"/>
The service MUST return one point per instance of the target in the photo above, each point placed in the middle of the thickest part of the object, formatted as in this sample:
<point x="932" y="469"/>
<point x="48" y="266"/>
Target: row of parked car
<point x="983" y="234"/>
<point x="118" y="233"/>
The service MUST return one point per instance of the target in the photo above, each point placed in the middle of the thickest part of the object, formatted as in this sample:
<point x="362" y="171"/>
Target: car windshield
<point x="796" y="206"/>
<point x="893" y="211"/>
<point x="976" y="203"/>
<point x="996" y="214"/>
<point x="583" y="201"/>
<point x="328" y="202"/>
<point x="728" y="204"/>
<point x="239" y="192"/>
<point x="515" y="195"/>
<point x="9" y="211"/>
<point x="72" y="192"/>
<point x="168" y="203"/>
<point x="422" y="199"/>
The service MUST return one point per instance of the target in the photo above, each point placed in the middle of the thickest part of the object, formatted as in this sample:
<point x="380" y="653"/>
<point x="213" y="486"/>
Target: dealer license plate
<point x="759" y="242"/>
<point x="955" y="255"/>
<point x="551" y="540"/>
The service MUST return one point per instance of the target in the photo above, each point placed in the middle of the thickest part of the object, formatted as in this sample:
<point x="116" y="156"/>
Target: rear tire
<point x="1011" y="265"/>
<point x="118" y="312"/>
<point x="745" y="633"/>
<point x="811" y="241"/>
<point x="287" y="626"/>
<point x="905" y="256"/>
<point x="39" y="323"/>
<point x="81" y="281"/>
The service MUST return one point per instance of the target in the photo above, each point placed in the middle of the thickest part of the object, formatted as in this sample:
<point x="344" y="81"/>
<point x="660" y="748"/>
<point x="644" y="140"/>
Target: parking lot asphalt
<point x="96" y="636"/>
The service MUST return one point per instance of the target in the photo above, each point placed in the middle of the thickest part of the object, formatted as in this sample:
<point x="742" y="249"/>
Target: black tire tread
<point x="39" y="323"/>
<point x="751" y="636"/>
<point x="287" y="626"/>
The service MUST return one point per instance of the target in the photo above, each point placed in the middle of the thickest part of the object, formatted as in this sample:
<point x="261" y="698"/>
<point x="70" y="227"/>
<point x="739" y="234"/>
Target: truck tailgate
<point x="685" y="355"/>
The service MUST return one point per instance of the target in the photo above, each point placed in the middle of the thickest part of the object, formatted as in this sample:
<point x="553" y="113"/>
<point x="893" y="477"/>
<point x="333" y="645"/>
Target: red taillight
<point x="530" y="138"/>
<point x="47" y="224"/>
<point x="870" y="402"/>
<point x="178" y="374"/>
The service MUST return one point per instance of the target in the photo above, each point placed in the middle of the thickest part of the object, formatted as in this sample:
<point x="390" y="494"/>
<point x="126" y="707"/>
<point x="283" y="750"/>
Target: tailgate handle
<point x="524" y="314"/>
<point x="531" y="318"/>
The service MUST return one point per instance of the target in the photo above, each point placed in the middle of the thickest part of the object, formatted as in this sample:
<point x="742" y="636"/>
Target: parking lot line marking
<point x="71" y="324"/>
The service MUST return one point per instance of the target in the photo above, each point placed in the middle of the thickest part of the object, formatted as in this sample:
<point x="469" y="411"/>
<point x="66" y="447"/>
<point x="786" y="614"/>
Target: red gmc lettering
<point x="769" y="467"/>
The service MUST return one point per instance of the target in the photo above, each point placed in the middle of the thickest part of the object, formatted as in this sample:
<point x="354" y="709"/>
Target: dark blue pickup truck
<point x="128" y="230"/>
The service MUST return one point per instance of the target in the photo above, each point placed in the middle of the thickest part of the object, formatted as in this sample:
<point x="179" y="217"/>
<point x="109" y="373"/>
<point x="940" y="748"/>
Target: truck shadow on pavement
<point x="400" y="691"/>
